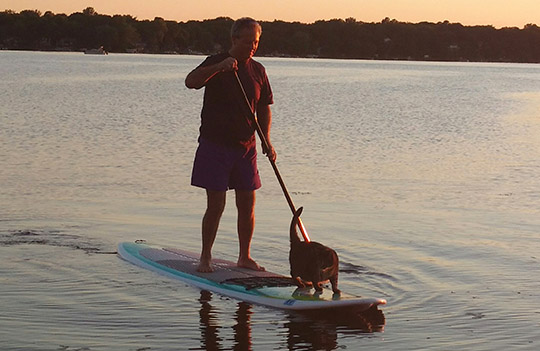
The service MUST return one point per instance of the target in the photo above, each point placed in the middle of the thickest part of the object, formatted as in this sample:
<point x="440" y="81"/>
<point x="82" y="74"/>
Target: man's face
<point x="247" y="43"/>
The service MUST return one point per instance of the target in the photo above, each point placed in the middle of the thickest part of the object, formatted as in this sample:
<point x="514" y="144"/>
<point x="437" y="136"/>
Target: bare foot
<point x="205" y="266"/>
<point x="250" y="264"/>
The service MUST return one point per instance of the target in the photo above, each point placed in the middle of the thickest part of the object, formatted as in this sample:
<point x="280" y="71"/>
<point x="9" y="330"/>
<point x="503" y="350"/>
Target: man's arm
<point x="264" y="116"/>
<point x="197" y="78"/>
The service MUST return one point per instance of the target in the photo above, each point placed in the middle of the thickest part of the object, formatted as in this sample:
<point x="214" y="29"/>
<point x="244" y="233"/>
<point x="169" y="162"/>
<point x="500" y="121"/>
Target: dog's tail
<point x="294" y="221"/>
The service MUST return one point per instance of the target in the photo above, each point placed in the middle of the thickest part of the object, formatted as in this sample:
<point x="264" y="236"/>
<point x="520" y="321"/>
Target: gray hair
<point x="244" y="22"/>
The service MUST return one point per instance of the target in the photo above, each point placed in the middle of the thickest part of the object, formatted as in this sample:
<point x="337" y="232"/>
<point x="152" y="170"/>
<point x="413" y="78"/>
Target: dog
<point x="311" y="262"/>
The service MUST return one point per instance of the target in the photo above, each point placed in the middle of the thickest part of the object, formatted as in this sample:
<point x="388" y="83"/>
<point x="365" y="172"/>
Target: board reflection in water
<point x="306" y="330"/>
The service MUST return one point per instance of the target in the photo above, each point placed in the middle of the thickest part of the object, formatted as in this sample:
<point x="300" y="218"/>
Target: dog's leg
<point x="299" y="282"/>
<point x="334" y="281"/>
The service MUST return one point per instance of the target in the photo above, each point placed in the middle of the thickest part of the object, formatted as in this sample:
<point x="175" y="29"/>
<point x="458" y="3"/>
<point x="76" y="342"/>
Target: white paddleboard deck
<point x="263" y="288"/>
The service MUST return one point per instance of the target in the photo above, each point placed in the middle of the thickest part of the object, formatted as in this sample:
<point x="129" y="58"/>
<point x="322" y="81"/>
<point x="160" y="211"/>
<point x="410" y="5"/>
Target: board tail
<point x="293" y="233"/>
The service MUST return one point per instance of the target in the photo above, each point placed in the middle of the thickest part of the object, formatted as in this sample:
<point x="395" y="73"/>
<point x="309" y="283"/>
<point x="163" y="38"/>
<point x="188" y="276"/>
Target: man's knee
<point x="215" y="202"/>
<point x="245" y="201"/>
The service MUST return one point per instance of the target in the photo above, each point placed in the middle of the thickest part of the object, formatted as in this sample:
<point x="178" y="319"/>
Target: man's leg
<point x="214" y="210"/>
<point x="245" y="203"/>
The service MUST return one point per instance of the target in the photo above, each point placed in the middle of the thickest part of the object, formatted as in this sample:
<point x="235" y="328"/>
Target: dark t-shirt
<point x="224" y="119"/>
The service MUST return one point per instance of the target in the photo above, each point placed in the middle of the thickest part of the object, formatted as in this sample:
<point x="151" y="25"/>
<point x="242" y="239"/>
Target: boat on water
<point x="98" y="51"/>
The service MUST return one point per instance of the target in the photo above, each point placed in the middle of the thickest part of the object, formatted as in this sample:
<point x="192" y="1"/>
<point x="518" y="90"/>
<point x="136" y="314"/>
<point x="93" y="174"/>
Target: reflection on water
<point x="209" y="323"/>
<point x="319" y="330"/>
<point x="306" y="330"/>
<point x="242" y="329"/>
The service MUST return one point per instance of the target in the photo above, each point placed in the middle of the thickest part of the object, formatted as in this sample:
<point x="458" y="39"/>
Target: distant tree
<point x="152" y="33"/>
<point x="89" y="11"/>
<point x="27" y="28"/>
<point x="219" y="30"/>
<point x="127" y="35"/>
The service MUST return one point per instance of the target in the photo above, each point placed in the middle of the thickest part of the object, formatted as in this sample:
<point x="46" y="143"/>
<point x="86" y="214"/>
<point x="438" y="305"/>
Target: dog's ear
<point x="299" y="212"/>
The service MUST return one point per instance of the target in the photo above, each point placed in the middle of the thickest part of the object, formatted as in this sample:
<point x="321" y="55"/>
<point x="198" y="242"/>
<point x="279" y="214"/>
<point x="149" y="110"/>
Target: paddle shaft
<point x="272" y="162"/>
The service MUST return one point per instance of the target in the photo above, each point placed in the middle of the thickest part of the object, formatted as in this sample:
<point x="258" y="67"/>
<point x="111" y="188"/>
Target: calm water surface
<point x="425" y="178"/>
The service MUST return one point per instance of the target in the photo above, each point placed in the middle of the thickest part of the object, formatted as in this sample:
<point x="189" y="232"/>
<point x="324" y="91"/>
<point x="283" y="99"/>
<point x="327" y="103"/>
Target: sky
<point x="499" y="13"/>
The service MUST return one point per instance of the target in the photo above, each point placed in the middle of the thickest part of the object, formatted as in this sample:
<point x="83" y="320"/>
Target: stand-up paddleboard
<point x="263" y="288"/>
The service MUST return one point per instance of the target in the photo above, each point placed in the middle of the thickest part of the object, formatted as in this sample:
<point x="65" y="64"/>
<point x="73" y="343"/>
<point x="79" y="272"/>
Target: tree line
<point x="336" y="38"/>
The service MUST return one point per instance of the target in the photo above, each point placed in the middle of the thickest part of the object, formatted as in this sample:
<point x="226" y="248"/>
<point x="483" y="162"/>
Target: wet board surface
<point x="263" y="288"/>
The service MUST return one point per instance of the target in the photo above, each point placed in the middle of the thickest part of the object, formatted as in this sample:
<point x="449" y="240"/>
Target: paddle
<point x="266" y="146"/>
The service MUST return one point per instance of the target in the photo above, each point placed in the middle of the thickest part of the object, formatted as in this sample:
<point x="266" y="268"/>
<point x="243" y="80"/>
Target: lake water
<point x="424" y="177"/>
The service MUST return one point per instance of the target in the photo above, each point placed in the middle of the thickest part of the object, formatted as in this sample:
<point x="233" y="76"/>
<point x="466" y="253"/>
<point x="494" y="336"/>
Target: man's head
<point x="245" y="34"/>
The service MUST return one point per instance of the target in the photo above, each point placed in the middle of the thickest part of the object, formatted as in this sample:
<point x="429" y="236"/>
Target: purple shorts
<point x="217" y="167"/>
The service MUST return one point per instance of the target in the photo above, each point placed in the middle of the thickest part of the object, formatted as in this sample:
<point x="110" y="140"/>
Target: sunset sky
<point x="499" y="13"/>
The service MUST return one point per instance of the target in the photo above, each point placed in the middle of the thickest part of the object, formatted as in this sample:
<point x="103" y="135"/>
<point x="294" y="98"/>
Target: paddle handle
<point x="273" y="163"/>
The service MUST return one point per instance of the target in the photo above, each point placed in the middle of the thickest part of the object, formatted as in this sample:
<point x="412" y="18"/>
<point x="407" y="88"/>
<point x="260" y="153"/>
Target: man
<point x="226" y="156"/>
